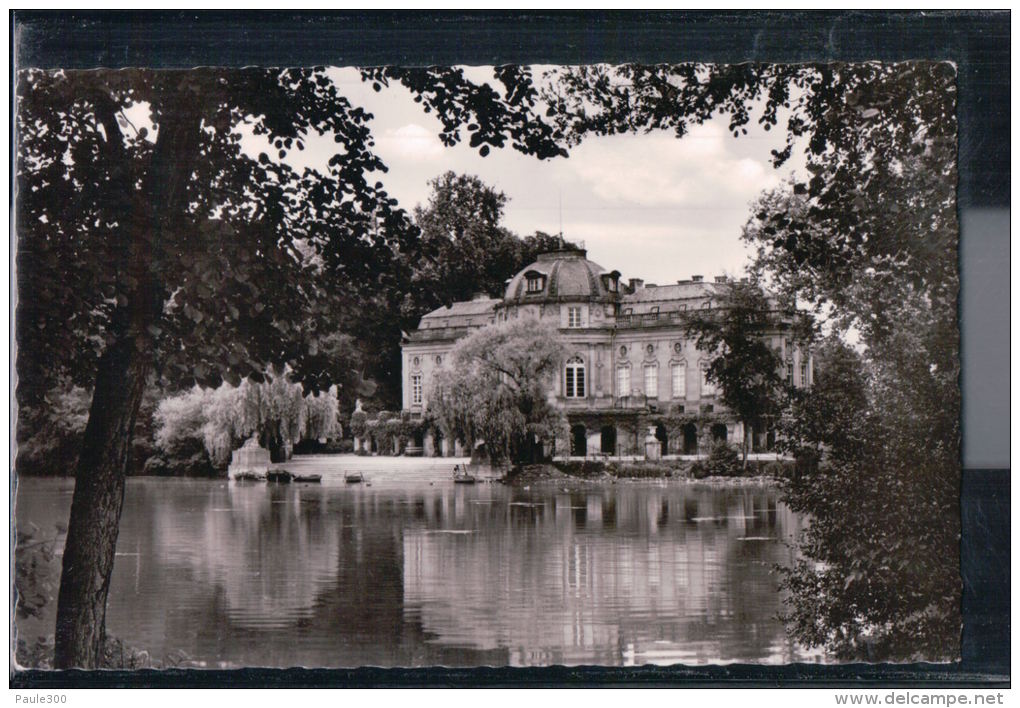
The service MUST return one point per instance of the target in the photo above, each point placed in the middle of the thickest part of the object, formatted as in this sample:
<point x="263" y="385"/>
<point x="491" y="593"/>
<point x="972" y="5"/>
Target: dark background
<point x="977" y="42"/>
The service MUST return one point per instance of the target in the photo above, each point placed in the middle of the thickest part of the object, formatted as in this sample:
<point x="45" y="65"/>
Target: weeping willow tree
<point x="276" y="411"/>
<point x="494" y="390"/>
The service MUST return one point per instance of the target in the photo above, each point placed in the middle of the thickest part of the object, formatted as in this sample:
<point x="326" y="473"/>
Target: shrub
<point x="722" y="461"/>
<point x="359" y="423"/>
<point x="181" y="464"/>
<point x="330" y="447"/>
<point x="642" y="471"/>
<point x="777" y="470"/>
<point x="586" y="468"/>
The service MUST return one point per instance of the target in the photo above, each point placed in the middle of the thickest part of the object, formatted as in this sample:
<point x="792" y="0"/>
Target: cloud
<point x="410" y="142"/>
<point x="663" y="253"/>
<point x="658" y="170"/>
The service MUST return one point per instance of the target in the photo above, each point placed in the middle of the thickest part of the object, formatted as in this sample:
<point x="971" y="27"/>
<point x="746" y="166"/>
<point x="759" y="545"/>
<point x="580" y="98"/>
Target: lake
<point x="414" y="570"/>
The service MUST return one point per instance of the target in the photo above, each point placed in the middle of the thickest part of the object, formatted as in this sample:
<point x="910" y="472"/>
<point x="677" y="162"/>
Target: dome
<point x="562" y="276"/>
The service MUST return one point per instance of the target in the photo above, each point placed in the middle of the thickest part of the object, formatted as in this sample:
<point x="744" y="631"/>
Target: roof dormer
<point x="534" y="282"/>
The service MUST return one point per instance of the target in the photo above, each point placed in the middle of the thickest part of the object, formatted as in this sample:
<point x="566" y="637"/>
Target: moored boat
<point x="249" y="477"/>
<point x="462" y="476"/>
<point x="279" y="476"/>
<point x="308" y="478"/>
<point x="354" y="478"/>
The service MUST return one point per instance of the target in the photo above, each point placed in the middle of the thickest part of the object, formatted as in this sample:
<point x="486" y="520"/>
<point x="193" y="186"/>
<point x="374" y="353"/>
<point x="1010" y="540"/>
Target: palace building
<point x="631" y="372"/>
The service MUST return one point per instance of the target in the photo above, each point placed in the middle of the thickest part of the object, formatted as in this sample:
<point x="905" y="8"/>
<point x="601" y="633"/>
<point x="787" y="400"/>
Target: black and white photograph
<point x="611" y="365"/>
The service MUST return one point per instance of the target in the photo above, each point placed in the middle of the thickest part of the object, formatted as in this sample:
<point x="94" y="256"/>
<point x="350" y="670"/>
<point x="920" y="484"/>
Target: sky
<point x="649" y="205"/>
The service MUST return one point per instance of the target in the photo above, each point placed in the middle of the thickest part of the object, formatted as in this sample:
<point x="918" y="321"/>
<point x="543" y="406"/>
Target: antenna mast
<point x="561" y="214"/>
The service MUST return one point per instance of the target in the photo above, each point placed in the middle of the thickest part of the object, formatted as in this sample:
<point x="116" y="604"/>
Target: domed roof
<point x="560" y="276"/>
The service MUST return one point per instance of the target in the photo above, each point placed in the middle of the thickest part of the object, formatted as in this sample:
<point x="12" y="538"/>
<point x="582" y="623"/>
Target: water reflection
<point x="398" y="575"/>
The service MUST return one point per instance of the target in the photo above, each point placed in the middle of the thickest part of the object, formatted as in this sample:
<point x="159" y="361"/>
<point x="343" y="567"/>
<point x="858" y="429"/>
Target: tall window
<point x="679" y="380"/>
<point x="574" y="378"/>
<point x="707" y="386"/>
<point x="535" y="284"/>
<point x="574" y="317"/>
<point x="789" y="372"/>
<point x="803" y="373"/>
<point x="651" y="380"/>
<point x="623" y="380"/>
<point x="416" y="389"/>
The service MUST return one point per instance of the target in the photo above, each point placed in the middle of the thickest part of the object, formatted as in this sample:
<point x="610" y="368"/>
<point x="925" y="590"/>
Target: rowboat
<point x="462" y="476"/>
<point x="308" y="478"/>
<point x="354" y="478"/>
<point x="279" y="476"/>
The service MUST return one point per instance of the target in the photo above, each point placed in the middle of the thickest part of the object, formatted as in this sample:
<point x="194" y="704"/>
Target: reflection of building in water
<point x="270" y="576"/>
<point x="559" y="589"/>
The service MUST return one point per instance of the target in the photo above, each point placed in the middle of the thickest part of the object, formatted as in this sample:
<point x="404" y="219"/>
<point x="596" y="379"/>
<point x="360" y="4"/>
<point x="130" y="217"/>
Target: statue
<point x="653" y="449"/>
<point x="250" y="461"/>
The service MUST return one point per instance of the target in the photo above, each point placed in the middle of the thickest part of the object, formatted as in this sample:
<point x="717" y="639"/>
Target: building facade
<point x="631" y="373"/>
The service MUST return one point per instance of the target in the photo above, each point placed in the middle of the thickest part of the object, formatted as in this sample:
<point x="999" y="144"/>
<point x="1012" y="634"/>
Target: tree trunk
<point x="120" y="376"/>
<point x="96" y="506"/>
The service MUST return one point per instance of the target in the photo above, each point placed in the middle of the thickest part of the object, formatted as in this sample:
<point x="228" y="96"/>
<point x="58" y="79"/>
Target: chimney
<point x="636" y="284"/>
<point x="720" y="278"/>
<point x="697" y="278"/>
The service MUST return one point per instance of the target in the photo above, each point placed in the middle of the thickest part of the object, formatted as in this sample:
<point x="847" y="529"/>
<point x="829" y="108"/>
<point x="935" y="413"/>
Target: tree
<point x="221" y="419"/>
<point x="878" y="579"/>
<point x="870" y="241"/>
<point x="868" y="237"/>
<point x="541" y="242"/>
<point x="494" y="388"/>
<point x="830" y="418"/>
<point x="463" y="250"/>
<point x="166" y="250"/>
<point x="467" y="249"/>
<point x="744" y="365"/>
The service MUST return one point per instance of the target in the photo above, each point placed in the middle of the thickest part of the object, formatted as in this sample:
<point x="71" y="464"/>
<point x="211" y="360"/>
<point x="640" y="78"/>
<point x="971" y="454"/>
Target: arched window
<point x="623" y="380"/>
<point x="574" y="378"/>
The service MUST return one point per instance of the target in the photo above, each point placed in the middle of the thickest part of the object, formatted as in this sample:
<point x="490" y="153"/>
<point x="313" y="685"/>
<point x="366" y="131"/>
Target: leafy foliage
<point x="744" y="365"/>
<point x="494" y="388"/>
<point x="165" y="249"/>
<point x="831" y="417"/>
<point x="50" y="430"/>
<point x="221" y="419"/>
<point x="868" y="237"/>
<point x="463" y="250"/>
<point x="467" y="248"/>
<point x="34" y="580"/>
<point x="492" y="117"/>
<point x="722" y="461"/>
